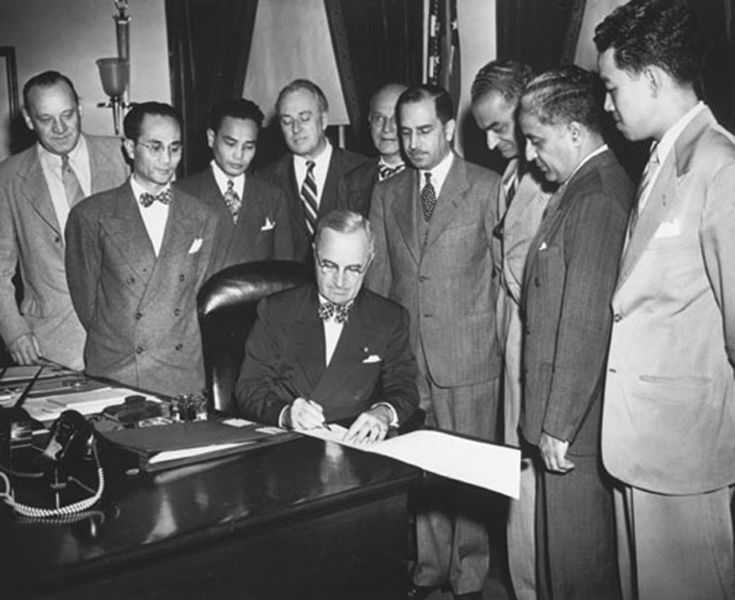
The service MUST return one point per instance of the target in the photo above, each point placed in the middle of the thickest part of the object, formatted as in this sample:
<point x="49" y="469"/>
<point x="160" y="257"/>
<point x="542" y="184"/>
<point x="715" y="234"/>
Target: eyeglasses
<point x="331" y="269"/>
<point x="381" y="120"/>
<point x="157" y="148"/>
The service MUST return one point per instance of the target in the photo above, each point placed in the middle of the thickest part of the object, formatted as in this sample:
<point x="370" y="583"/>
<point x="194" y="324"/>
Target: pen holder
<point x="189" y="407"/>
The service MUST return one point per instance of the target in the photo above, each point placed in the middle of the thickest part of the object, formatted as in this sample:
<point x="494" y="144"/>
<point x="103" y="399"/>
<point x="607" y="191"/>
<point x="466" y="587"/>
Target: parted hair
<point x="345" y="221"/>
<point x="505" y="77"/>
<point x="47" y="79"/>
<point x="303" y="84"/>
<point x="564" y="95"/>
<point x="442" y="100"/>
<point x="134" y="119"/>
<point x="237" y="108"/>
<point x="664" y="33"/>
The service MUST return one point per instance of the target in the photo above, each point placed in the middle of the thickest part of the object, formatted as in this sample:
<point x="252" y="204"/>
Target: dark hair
<point x="303" y="84"/>
<point x="442" y="100"/>
<point x="47" y="79"/>
<point x="134" y="119"/>
<point x="664" y="33"/>
<point x="239" y="108"/>
<point x="564" y="95"/>
<point x="504" y="77"/>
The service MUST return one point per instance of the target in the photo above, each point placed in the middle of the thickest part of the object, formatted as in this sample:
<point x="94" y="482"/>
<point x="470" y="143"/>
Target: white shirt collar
<point x="221" y="178"/>
<point x="672" y="133"/>
<point x="438" y="173"/>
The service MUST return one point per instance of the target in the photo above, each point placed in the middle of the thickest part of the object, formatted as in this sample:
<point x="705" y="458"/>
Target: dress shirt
<point x="51" y="167"/>
<point x="666" y="144"/>
<point x="438" y="174"/>
<point x="154" y="216"/>
<point x="222" y="178"/>
<point x="321" y="167"/>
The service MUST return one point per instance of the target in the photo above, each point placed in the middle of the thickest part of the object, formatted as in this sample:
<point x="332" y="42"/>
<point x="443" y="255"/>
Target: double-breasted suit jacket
<point x="569" y="278"/>
<point x="669" y="417"/>
<point x="263" y="228"/>
<point x="31" y="237"/>
<point x="139" y="309"/>
<point x="282" y="173"/>
<point x="285" y="354"/>
<point x="445" y="278"/>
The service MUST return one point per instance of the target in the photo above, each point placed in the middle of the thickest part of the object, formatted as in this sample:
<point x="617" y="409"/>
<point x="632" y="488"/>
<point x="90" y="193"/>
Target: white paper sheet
<point x="495" y="468"/>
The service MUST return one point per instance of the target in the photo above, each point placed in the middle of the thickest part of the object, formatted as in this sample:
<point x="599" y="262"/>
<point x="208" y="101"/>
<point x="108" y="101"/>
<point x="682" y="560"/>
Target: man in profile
<point x="135" y="259"/>
<point x="358" y="184"/>
<point x="331" y="351"/>
<point x="253" y="214"/>
<point x="38" y="187"/>
<point x="311" y="172"/>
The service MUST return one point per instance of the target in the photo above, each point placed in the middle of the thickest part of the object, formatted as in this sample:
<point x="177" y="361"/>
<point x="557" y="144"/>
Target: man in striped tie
<point x="311" y="172"/>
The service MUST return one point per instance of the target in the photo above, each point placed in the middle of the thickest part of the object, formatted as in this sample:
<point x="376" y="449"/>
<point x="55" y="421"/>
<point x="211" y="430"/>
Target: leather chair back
<point x="227" y="310"/>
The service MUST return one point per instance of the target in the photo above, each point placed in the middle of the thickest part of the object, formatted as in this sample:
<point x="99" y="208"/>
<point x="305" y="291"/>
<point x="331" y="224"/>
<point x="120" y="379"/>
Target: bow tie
<point x="385" y="171"/>
<point x="340" y="312"/>
<point x="163" y="197"/>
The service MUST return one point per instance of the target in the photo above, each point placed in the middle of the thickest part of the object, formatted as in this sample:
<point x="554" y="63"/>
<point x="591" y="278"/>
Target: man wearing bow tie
<point x="136" y="257"/>
<point x="331" y="351"/>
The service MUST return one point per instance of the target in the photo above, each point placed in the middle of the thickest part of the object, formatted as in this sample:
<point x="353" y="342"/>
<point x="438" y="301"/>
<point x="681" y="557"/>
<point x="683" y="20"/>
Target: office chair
<point x="226" y="307"/>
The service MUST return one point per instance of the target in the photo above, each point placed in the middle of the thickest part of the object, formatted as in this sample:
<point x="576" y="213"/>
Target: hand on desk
<point x="25" y="350"/>
<point x="370" y="426"/>
<point x="306" y="414"/>
<point x="554" y="453"/>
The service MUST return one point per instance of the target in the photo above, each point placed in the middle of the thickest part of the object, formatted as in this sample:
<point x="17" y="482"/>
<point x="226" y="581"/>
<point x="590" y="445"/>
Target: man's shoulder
<point x="262" y="186"/>
<point x="347" y="160"/>
<point x="194" y="206"/>
<point x="476" y="173"/>
<point x="196" y="184"/>
<point x="284" y="305"/>
<point x="386" y="308"/>
<point x="365" y="172"/>
<point x="17" y="163"/>
<point x="106" y="142"/>
<point x="277" y="169"/>
<point x="102" y="202"/>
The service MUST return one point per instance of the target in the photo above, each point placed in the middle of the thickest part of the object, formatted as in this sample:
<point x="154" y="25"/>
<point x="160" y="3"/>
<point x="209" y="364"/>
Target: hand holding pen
<point x="303" y="413"/>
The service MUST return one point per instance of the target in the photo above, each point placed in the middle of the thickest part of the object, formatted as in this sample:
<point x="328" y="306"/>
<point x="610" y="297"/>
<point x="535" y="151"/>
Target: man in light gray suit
<point x="37" y="189"/>
<point x="433" y="238"/>
<point x="135" y="259"/>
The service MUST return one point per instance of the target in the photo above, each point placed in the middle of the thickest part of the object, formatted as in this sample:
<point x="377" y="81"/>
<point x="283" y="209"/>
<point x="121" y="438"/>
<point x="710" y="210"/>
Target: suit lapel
<point x="36" y="191"/>
<point x="450" y="197"/>
<point x="404" y="209"/>
<point x="307" y="337"/>
<point x="329" y="193"/>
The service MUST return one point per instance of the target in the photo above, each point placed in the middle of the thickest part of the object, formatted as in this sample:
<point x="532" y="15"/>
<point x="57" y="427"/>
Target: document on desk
<point x="495" y="468"/>
<point x="48" y="408"/>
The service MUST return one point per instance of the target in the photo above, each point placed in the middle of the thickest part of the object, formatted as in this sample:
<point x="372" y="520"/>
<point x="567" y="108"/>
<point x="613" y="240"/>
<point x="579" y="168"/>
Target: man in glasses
<point x="331" y="351"/>
<point x="135" y="258"/>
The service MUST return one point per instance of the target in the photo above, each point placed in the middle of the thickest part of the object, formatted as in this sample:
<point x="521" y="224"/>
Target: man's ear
<point x="575" y="132"/>
<point x="449" y="128"/>
<point x="325" y="120"/>
<point x="129" y="146"/>
<point x="210" y="137"/>
<point x="27" y="119"/>
<point x="654" y="78"/>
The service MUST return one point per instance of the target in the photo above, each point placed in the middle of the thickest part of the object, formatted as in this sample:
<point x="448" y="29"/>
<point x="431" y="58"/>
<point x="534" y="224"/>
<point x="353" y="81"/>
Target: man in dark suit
<point x="253" y="215"/>
<point x="433" y="240"/>
<point x="358" y="185"/>
<point x="135" y="259"/>
<point x="312" y="171"/>
<point x="37" y="189"/>
<point x="568" y="283"/>
<point x="331" y="351"/>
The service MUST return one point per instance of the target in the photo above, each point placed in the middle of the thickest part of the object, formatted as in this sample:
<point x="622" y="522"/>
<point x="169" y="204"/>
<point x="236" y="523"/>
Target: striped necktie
<point x="232" y="200"/>
<point x="72" y="187"/>
<point x="309" y="196"/>
<point x="386" y="171"/>
<point x="644" y="189"/>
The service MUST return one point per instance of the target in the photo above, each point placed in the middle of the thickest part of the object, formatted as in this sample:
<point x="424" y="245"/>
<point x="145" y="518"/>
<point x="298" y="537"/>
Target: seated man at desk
<point x="331" y="351"/>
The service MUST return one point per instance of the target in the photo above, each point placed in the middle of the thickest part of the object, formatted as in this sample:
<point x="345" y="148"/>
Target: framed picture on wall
<point x="9" y="104"/>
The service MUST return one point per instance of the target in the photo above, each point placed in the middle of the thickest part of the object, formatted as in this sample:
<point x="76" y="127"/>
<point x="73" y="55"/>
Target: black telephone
<point x="70" y="438"/>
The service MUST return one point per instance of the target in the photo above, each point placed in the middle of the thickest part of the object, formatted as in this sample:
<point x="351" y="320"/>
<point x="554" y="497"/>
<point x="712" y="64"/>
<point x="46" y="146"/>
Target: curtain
<point x="209" y="44"/>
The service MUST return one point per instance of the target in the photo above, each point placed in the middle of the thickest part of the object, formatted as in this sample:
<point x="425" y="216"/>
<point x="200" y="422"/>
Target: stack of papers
<point x="48" y="408"/>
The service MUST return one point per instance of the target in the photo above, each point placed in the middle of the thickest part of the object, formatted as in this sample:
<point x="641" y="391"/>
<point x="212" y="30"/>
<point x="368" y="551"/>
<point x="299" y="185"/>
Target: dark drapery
<point x="209" y="45"/>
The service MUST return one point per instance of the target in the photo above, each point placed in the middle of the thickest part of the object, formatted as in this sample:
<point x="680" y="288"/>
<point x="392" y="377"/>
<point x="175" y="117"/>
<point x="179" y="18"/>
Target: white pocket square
<point x="268" y="225"/>
<point x="373" y="358"/>
<point x="195" y="246"/>
<point x="543" y="246"/>
<point x="668" y="229"/>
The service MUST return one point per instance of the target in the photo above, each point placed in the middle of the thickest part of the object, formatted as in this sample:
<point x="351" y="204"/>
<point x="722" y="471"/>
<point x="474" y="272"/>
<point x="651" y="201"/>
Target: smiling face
<point x="156" y="153"/>
<point x="550" y="146"/>
<point x="496" y="117"/>
<point x="233" y="145"/>
<point x="303" y="123"/>
<point x="53" y="114"/>
<point x="341" y="262"/>
<point x="426" y="139"/>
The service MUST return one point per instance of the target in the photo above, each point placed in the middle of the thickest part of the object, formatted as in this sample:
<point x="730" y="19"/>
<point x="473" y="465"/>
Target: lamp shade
<point x="114" y="73"/>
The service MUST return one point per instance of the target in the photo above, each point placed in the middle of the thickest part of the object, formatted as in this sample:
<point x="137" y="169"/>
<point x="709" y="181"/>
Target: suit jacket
<point x="356" y="188"/>
<point x="263" y="228"/>
<point x="669" y="419"/>
<point x="445" y="278"/>
<point x="570" y="274"/>
<point x="372" y="361"/>
<point x="140" y="310"/>
<point x="282" y="173"/>
<point x="30" y="236"/>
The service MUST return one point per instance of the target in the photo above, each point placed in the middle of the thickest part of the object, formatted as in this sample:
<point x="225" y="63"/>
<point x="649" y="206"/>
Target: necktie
<point x="164" y="197"/>
<point x="308" y="197"/>
<point x="386" y="171"/>
<point x="643" y="189"/>
<point x="327" y="309"/>
<point x="509" y="195"/>
<point x="72" y="187"/>
<point x="428" y="197"/>
<point x="232" y="200"/>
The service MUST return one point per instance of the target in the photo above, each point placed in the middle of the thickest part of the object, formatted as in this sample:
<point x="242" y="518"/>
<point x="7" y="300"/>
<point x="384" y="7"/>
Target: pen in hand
<point x="293" y="391"/>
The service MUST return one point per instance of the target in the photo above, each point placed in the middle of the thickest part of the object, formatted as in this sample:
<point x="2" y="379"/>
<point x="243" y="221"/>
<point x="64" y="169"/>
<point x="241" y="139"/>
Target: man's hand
<point x="306" y="414"/>
<point x="25" y="349"/>
<point x="554" y="453"/>
<point x="370" y="426"/>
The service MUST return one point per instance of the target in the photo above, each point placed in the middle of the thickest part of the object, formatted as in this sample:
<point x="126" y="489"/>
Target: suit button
<point x="181" y="277"/>
<point x="612" y="370"/>
<point x="130" y="280"/>
<point x="423" y="278"/>
<point x="617" y="318"/>
<point x="179" y="346"/>
<point x="177" y="312"/>
<point x="138" y="316"/>
<point x="57" y="239"/>
<point x="139" y="350"/>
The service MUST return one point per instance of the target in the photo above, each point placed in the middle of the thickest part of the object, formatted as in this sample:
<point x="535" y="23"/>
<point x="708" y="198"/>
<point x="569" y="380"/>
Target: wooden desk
<point x="302" y="519"/>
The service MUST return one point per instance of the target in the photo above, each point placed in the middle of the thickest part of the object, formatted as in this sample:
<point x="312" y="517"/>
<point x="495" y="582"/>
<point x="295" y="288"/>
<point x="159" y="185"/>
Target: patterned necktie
<point x="643" y="190"/>
<point x="308" y="197"/>
<point x="327" y="309"/>
<point x="386" y="171"/>
<point x="164" y="197"/>
<point x="232" y="200"/>
<point x="428" y="197"/>
<point x="72" y="187"/>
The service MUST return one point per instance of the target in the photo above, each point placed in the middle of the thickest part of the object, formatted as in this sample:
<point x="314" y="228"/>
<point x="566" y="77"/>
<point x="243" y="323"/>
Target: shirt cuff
<point x="393" y="412"/>
<point x="282" y="417"/>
